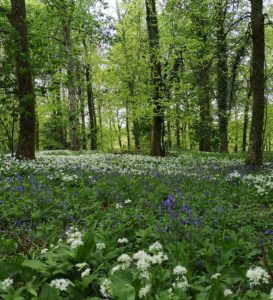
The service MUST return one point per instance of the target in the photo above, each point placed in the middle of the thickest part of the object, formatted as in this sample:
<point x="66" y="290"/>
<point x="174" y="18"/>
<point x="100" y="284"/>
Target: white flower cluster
<point x="234" y="175"/>
<point x="144" y="291"/>
<point x="271" y="294"/>
<point x="80" y="267"/>
<point x="74" y="238"/>
<point x="105" y="288"/>
<point x="181" y="279"/>
<point x="257" y="276"/>
<point x="60" y="284"/>
<point x="122" y="241"/>
<point x="100" y="246"/>
<point x="8" y="282"/>
<point x="227" y="292"/>
<point x="85" y="273"/>
<point x="125" y="261"/>
<point x="262" y="183"/>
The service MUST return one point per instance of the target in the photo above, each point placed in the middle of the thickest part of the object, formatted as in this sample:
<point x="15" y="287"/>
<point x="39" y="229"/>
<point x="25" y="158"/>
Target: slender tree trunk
<point x="169" y="133"/>
<point x="177" y="126"/>
<point x="90" y="102"/>
<point x="25" y="88"/>
<point x="255" y="154"/>
<point x="100" y="124"/>
<point x="222" y="77"/>
<point x="71" y="86"/>
<point x="205" y="110"/>
<point x="157" y="148"/>
<point x="37" y="134"/>
<point x="83" y="128"/>
<point x="128" y="127"/>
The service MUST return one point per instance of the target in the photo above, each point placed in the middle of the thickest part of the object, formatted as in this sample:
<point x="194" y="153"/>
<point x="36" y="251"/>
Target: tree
<point x="157" y="143"/>
<point x="255" y="154"/>
<point x="25" y="87"/>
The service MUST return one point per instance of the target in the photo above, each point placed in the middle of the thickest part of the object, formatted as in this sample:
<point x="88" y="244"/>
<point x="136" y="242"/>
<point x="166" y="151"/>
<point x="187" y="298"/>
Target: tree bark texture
<point x="157" y="148"/>
<point x="255" y="154"/>
<point x="25" y="87"/>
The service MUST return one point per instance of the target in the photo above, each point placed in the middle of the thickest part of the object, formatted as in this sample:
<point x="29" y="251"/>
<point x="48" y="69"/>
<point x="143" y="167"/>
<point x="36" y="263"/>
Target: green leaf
<point x="35" y="265"/>
<point x="49" y="293"/>
<point x="126" y="292"/>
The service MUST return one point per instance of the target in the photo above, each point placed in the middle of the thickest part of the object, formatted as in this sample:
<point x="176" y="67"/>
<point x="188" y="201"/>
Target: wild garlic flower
<point x="74" y="238"/>
<point x="85" y="273"/>
<point x="119" y="206"/>
<point x="8" y="282"/>
<point x="80" y="266"/>
<point x="180" y="270"/>
<point x="44" y="251"/>
<point x="127" y="201"/>
<point x="158" y="258"/>
<point x="215" y="276"/>
<point x="227" y="292"/>
<point x="60" y="284"/>
<point x="257" y="275"/>
<point x="100" y="246"/>
<point x="125" y="260"/>
<point x="143" y="260"/>
<point x="122" y="241"/>
<point x="105" y="288"/>
<point x="183" y="284"/>
<point x="144" y="291"/>
<point x="155" y="247"/>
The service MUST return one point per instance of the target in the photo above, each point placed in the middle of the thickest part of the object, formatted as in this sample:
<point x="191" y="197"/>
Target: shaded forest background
<point x="152" y="77"/>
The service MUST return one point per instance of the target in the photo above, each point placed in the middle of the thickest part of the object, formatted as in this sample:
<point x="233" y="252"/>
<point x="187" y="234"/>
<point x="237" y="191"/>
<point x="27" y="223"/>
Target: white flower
<point x="85" y="273"/>
<point x="170" y="292"/>
<point x="105" y="288"/>
<point x="144" y="275"/>
<point x="76" y="243"/>
<point x="155" y="247"/>
<point x="271" y="294"/>
<point x="257" y="275"/>
<point x="180" y="270"/>
<point x="60" y="284"/>
<point x="44" y="251"/>
<point x="74" y="238"/>
<point x="116" y="268"/>
<point x="100" y="246"/>
<point x="215" y="276"/>
<point x="144" y="291"/>
<point x="119" y="206"/>
<point x="143" y="260"/>
<point x="8" y="282"/>
<point x="159" y="258"/>
<point x="127" y="201"/>
<point x="125" y="259"/>
<point x="122" y="241"/>
<point x="227" y="292"/>
<point x="80" y="266"/>
<point x="184" y="285"/>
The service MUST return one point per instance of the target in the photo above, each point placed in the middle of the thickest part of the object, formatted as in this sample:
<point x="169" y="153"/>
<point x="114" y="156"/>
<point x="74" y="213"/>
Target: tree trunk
<point x="205" y="110"/>
<point x="255" y="154"/>
<point x="157" y="148"/>
<point x="90" y="102"/>
<point x="25" y="88"/>
<point x="83" y="129"/>
<point x="128" y="126"/>
<point x="71" y="86"/>
<point x="222" y="77"/>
